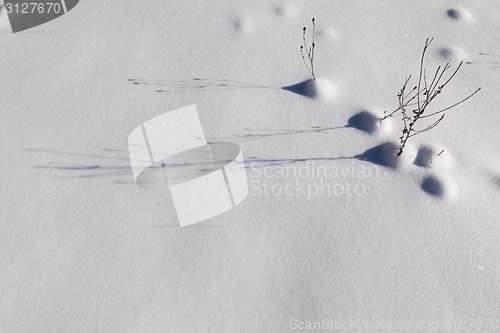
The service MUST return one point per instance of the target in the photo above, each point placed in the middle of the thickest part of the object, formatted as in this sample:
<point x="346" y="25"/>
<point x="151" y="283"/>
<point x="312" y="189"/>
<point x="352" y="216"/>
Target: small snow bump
<point x="384" y="154"/>
<point x="319" y="88"/>
<point x="438" y="186"/>
<point x="243" y="25"/>
<point x="458" y="14"/>
<point x="425" y="156"/>
<point x="285" y="11"/>
<point x="433" y="157"/>
<point x="364" y="121"/>
<point x="445" y="53"/>
<point x="450" y="53"/>
<point x="496" y="182"/>
<point x="433" y="186"/>
<point x="453" y="14"/>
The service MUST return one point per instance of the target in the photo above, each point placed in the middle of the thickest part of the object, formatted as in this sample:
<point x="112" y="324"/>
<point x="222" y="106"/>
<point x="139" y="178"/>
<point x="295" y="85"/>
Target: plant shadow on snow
<point x="114" y="164"/>
<point x="105" y="165"/>
<point x="363" y="121"/>
<point x="314" y="88"/>
<point x="307" y="88"/>
<point x="487" y="59"/>
<point x="256" y="133"/>
<point x="384" y="155"/>
<point x="197" y="84"/>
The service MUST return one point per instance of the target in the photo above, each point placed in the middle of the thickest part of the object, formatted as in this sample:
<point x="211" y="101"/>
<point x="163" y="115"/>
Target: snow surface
<point x="84" y="249"/>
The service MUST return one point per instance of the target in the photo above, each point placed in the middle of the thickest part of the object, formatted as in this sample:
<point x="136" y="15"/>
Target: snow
<point x="83" y="248"/>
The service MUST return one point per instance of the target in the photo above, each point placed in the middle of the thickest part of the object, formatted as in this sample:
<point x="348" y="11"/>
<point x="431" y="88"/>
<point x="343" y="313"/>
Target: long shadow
<point x="383" y="155"/>
<point x="253" y="161"/>
<point x="83" y="168"/>
<point x="364" y="121"/>
<point x="272" y="132"/>
<point x="122" y="173"/>
<point x="197" y="84"/>
<point x="307" y="88"/>
<point x="120" y="170"/>
<point x="487" y="55"/>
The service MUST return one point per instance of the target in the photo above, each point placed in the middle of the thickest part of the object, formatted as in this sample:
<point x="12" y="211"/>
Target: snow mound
<point x="384" y="154"/>
<point x="438" y="186"/>
<point x="319" y="88"/>
<point x="435" y="157"/>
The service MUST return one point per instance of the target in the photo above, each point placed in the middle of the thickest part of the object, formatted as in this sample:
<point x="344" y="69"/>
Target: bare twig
<point x="309" y="50"/>
<point x="424" y="94"/>
<point x="452" y="106"/>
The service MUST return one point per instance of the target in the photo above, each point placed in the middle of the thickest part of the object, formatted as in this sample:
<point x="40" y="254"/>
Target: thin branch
<point x="309" y="50"/>
<point x="454" y="73"/>
<point x="452" y="106"/>
<point x="431" y="126"/>
<point x="424" y="93"/>
<point x="427" y="43"/>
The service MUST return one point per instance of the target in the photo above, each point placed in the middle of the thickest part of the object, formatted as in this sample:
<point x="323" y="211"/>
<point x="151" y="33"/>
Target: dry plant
<point x="420" y="97"/>
<point x="309" y="49"/>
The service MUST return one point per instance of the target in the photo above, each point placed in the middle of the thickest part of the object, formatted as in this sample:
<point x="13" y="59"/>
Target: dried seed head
<point x="304" y="29"/>
<point x="314" y="20"/>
